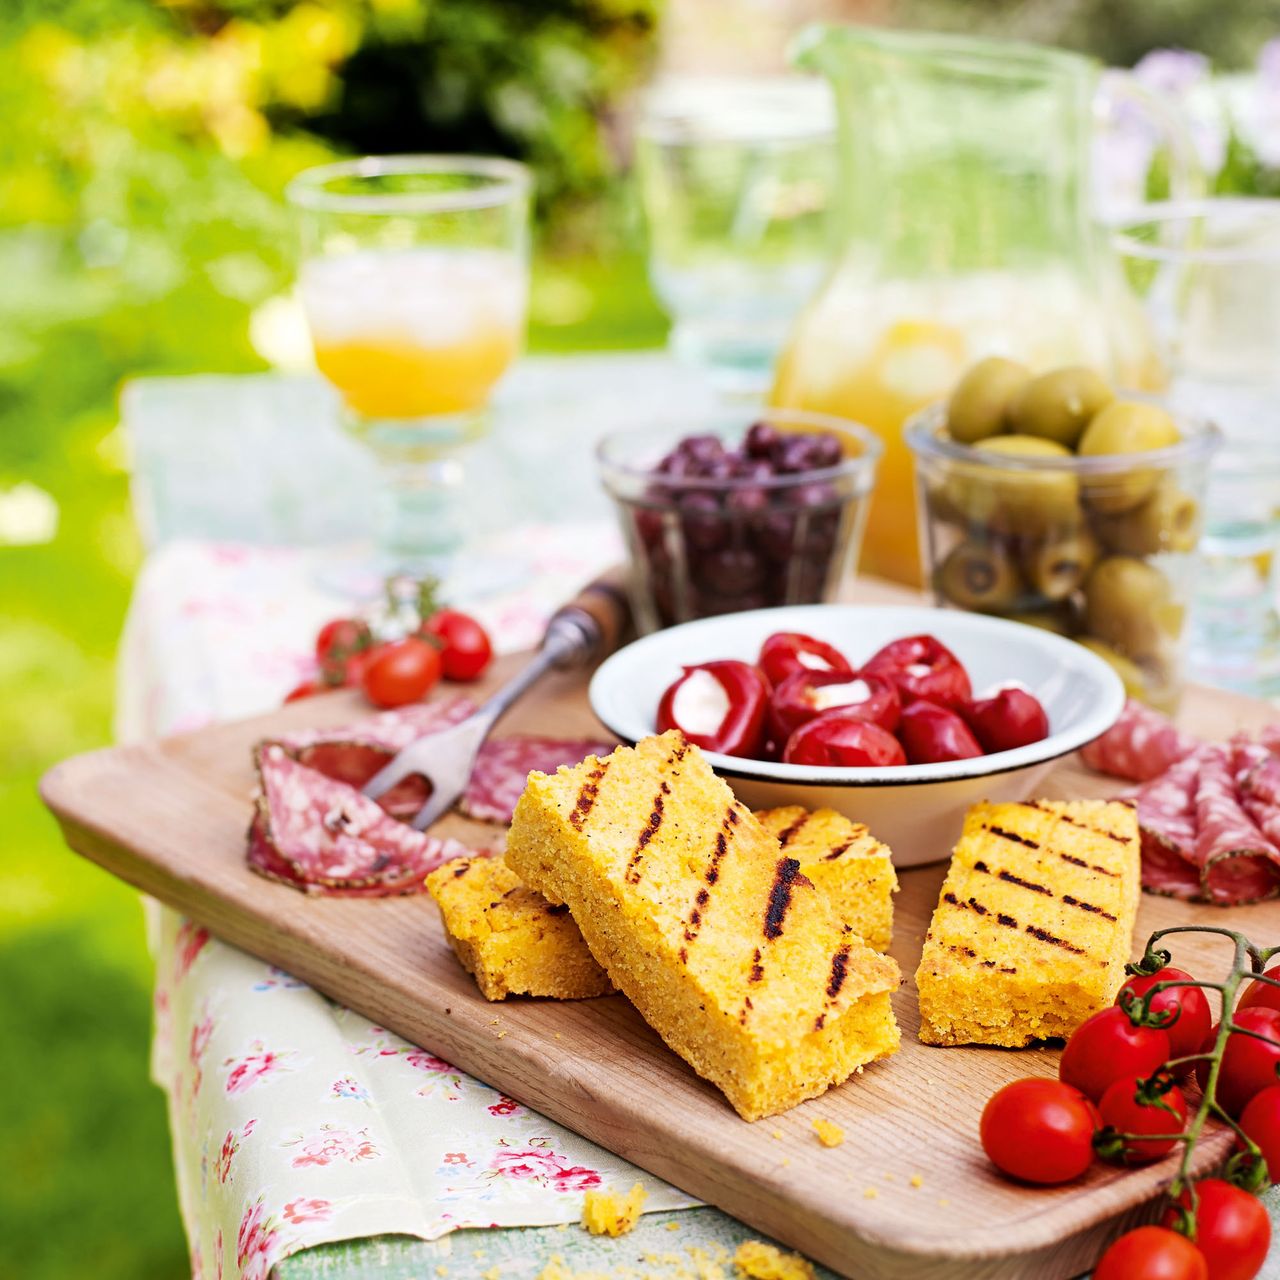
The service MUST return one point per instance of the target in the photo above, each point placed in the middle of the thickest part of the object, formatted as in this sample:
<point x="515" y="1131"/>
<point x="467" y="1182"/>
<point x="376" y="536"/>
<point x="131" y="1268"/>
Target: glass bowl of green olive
<point x="1058" y="501"/>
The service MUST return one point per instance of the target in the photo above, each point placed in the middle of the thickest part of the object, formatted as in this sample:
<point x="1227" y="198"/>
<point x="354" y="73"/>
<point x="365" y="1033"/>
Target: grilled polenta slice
<point x="847" y="864"/>
<point x="509" y="938"/>
<point x="705" y="924"/>
<point x="1035" y="923"/>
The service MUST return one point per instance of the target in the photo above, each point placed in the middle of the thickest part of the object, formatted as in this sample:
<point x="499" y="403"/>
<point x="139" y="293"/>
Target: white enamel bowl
<point x="915" y="809"/>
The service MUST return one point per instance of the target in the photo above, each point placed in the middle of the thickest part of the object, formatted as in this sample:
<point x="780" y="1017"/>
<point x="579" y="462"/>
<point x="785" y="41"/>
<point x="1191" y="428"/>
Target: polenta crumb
<point x="870" y="1193"/>
<point x="442" y="1271"/>
<point x="607" y="1213"/>
<point x="494" y="1273"/>
<point x="776" y="1134"/>
<point x="829" y="1133"/>
<point x="917" y="1179"/>
<point x="673" y="1226"/>
<point x="942" y="1204"/>
<point x="760" y="1261"/>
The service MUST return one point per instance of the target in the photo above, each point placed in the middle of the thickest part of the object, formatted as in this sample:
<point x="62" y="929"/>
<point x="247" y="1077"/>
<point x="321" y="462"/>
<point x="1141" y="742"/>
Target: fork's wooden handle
<point x="607" y="608"/>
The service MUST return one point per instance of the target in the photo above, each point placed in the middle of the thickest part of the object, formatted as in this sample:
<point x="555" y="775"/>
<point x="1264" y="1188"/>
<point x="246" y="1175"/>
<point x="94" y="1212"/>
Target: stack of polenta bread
<point x="752" y="943"/>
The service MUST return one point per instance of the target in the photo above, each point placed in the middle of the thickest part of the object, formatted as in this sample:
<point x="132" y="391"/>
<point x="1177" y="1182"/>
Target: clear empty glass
<point x="735" y="178"/>
<point x="1209" y="273"/>
<point x="414" y="279"/>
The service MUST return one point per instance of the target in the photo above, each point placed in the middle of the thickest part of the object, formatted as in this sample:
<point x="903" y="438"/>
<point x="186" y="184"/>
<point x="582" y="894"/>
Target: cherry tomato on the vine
<point x="400" y="672"/>
<point x="1261" y="1121"/>
<point x="1192" y="1016"/>
<point x="340" y="648"/>
<point x="465" y="648"/>
<point x="1261" y="995"/>
<point x="1039" y="1131"/>
<point x="1165" y="1113"/>
<point x="1233" y="1230"/>
<point x="307" y="689"/>
<point x="1152" y="1253"/>
<point x="1249" y="1063"/>
<point x="1107" y="1048"/>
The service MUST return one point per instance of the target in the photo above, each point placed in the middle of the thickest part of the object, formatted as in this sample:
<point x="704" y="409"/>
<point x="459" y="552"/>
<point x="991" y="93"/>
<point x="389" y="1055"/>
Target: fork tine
<point x="396" y="770"/>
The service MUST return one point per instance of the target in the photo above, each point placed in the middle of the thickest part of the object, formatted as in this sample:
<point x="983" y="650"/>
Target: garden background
<point x="143" y="151"/>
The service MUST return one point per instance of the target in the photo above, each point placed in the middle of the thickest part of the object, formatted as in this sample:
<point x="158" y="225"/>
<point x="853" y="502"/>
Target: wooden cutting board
<point x="908" y="1194"/>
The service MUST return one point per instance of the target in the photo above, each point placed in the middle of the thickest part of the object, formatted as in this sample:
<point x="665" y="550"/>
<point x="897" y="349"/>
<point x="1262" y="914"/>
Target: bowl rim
<point x="923" y="434"/>
<point x="500" y="181"/>
<point x="917" y="618"/>
<point x="861" y="466"/>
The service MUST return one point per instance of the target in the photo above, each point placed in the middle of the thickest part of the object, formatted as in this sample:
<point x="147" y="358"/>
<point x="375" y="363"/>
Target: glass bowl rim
<point x="1165" y="212"/>
<point x="507" y="180"/>
<point x="922" y="437"/>
<point x="860" y="466"/>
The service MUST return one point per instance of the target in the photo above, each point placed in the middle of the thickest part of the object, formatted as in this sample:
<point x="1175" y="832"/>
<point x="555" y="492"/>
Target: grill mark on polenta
<point x="972" y="905"/>
<point x="1087" y="906"/>
<point x="757" y="968"/>
<point x="1083" y="826"/>
<point x="784" y="877"/>
<point x="839" y="971"/>
<point x="587" y="796"/>
<point x="1045" y="936"/>
<point x="1012" y="835"/>
<point x="747" y="1006"/>
<point x="819" y="1022"/>
<point x="788" y="834"/>
<point x="971" y="954"/>
<point x="838" y="850"/>
<point x="559" y="909"/>
<point x="1088" y="866"/>
<point x="632" y="874"/>
<point x="711" y="874"/>
<point x="1009" y="878"/>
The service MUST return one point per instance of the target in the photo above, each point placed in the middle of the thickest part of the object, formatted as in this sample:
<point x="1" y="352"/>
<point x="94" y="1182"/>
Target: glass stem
<point x="418" y="527"/>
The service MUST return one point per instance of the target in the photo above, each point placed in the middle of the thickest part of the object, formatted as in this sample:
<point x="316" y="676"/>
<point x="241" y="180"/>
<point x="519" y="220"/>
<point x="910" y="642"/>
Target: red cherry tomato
<point x="1232" y="1229"/>
<point x="1259" y="995"/>
<point x="465" y="649"/>
<point x="1107" y="1048"/>
<point x="1189" y="1006"/>
<point x="930" y="733"/>
<point x="307" y="689"/>
<point x="340" y="646"/>
<point x="1248" y="1064"/>
<point x="806" y="694"/>
<point x="400" y="672"/>
<point x="922" y="667"/>
<point x="1131" y="1106"/>
<point x="1009" y="718"/>
<point x="719" y="706"/>
<point x="1152" y="1253"/>
<point x="1261" y="1121"/>
<point x="1039" y="1131"/>
<point x="786" y="652"/>
<point x="842" y="739"/>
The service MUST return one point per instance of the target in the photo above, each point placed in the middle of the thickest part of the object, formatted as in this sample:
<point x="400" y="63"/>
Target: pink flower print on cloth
<point x="542" y="1165"/>
<point x="218" y="1251"/>
<point x="255" y="1242"/>
<point x="201" y="1034"/>
<point x="351" y="1088"/>
<point x="425" y="1061"/>
<point x="188" y="943"/>
<point x="578" y="1178"/>
<point x="259" y="1064"/>
<point x="310" y="1210"/>
<point x="332" y="1143"/>
<point x="276" y="979"/>
<point x="230" y="1145"/>
<point x="504" y="1107"/>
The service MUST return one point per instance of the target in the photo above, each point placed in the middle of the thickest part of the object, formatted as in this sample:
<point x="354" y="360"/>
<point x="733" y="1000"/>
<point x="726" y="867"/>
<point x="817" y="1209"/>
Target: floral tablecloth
<point x="296" y="1121"/>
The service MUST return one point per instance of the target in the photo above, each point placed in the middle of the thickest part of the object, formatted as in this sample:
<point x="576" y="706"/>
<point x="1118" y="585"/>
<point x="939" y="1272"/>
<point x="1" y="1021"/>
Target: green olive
<point x="1056" y="567"/>
<point x="1026" y="501"/>
<point x="979" y="405"/>
<point x="979" y="575"/>
<point x="1131" y="675"/>
<point x="1169" y="520"/>
<point x="1124" y="427"/>
<point x="1061" y="619"/>
<point x="1129" y="605"/>
<point x="1059" y="405"/>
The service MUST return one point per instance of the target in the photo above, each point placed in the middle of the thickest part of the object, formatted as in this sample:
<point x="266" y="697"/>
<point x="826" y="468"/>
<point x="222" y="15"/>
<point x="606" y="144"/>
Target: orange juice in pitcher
<point x="965" y="231"/>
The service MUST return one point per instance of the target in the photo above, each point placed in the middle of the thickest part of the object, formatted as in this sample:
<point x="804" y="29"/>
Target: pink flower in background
<point x="254" y="1242"/>
<point x="525" y="1164"/>
<point x="187" y="945"/>
<point x="254" y="1067"/>
<point x="331" y="1143"/>
<point x="300" y="1211"/>
<point x="455" y="1157"/>
<point x="425" y="1061"/>
<point x="577" y="1178"/>
<point x="230" y="1145"/>
<point x="504" y="1106"/>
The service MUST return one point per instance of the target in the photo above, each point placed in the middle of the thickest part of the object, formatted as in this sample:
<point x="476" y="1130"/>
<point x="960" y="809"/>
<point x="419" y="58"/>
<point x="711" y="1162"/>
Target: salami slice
<point x="504" y="764"/>
<point x="1166" y="815"/>
<point x="1140" y="746"/>
<point x="1237" y="862"/>
<point x="323" y="836"/>
<point x="354" y="753"/>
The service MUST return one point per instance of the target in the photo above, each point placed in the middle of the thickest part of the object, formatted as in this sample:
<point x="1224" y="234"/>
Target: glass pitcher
<point x="964" y="218"/>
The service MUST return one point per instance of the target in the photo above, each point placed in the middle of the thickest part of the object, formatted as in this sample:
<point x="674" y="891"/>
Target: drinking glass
<point x="1209" y="274"/>
<point x="414" y="280"/>
<point x="735" y="178"/>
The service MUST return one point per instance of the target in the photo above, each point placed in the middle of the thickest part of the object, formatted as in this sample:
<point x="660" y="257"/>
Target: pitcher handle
<point x="1120" y="89"/>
